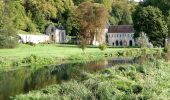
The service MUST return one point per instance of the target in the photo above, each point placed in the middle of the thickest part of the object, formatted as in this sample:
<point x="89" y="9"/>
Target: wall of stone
<point x="121" y="39"/>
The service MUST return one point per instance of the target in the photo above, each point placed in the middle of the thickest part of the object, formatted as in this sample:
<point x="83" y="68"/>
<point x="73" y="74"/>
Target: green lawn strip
<point x="54" y="53"/>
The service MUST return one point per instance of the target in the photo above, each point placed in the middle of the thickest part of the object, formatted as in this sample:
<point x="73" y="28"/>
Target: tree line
<point x="35" y="15"/>
<point x="153" y="18"/>
<point x="84" y="18"/>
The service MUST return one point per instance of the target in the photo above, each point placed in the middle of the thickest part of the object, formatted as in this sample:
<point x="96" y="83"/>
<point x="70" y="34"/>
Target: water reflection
<point x="23" y="80"/>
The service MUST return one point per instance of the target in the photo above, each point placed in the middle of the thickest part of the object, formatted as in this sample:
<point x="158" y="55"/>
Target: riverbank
<point x="45" y="54"/>
<point x="149" y="81"/>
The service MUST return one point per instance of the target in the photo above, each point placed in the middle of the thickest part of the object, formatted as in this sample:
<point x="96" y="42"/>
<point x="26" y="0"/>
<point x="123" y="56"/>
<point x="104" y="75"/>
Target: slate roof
<point x="121" y="29"/>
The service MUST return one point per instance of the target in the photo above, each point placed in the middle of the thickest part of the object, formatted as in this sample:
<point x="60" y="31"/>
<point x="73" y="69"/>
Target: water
<point x="24" y="79"/>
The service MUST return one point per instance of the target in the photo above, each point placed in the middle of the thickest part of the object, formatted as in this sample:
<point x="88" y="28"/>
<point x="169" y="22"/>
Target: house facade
<point x="120" y="35"/>
<point x="57" y="35"/>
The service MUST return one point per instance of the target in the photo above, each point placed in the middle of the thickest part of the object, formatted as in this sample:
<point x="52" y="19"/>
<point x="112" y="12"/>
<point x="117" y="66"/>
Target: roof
<point x="121" y="29"/>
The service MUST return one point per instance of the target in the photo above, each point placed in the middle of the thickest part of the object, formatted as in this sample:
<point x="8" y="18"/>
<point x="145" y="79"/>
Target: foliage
<point x="83" y="46"/>
<point x="8" y="37"/>
<point x="92" y="19"/>
<point x="121" y="13"/>
<point x="112" y="83"/>
<point x="166" y="53"/>
<point x="150" y="21"/>
<point x="163" y="5"/>
<point x="102" y="47"/>
<point x="143" y="41"/>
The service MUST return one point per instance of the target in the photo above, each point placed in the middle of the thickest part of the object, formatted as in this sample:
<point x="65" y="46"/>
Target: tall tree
<point x="163" y="5"/>
<point x="150" y="21"/>
<point x="92" y="20"/>
<point x="121" y="12"/>
<point x="8" y="37"/>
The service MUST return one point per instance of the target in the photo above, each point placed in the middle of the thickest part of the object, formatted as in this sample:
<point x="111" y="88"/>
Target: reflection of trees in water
<point x="40" y="78"/>
<point x="24" y="80"/>
<point x="96" y="65"/>
<point x="12" y="82"/>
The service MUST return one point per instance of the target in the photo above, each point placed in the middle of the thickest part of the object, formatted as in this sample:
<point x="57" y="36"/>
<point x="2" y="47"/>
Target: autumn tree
<point x="92" y="18"/>
<point x="150" y="21"/>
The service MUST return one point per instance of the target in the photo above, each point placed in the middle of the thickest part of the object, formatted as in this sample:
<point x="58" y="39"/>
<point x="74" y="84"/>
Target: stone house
<point x="120" y="35"/>
<point x="57" y="35"/>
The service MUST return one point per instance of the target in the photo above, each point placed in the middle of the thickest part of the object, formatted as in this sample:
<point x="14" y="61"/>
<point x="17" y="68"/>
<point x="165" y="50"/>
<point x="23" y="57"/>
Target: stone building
<point x="120" y="35"/>
<point x="57" y="35"/>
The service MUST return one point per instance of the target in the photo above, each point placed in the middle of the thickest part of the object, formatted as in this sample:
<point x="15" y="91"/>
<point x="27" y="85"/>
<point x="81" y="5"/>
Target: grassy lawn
<point x="50" y="50"/>
<point x="44" y="54"/>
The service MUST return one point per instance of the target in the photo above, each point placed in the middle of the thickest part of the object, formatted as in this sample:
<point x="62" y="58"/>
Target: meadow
<point x="52" y="53"/>
<point x="45" y="54"/>
<point x="50" y="50"/>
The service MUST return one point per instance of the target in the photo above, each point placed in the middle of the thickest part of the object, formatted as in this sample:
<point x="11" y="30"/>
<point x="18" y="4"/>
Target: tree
<point x="168" y="23"/>
<point x="92" y="18"/>
<point x="150" y="21"/>
<point x="107" y="3"/>
<point x="143" y="41"/>
<point x="8" y="37"/>
<point x="121" y="12"/>
<point x="163" y="5"/>
<point x="42" y="12"/>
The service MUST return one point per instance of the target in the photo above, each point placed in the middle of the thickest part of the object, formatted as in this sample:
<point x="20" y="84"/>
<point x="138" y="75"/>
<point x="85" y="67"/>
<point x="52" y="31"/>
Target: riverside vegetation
<point x="147" y="78"/>
<point x="148" y="81"/>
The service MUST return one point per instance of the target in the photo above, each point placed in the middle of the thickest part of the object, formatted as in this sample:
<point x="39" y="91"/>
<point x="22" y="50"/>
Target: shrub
<point x="143" y="41"/>
<point x="102" y="47"/>
<point x="137" y="89"/>
<point x="83" y="47"/>
<point x="166" y="53"/>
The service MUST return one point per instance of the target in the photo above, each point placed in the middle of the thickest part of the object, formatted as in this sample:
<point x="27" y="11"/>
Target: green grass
<point x="48" y="50"/>
<point x="53" y="53"/>
<point x="54" y="50"/>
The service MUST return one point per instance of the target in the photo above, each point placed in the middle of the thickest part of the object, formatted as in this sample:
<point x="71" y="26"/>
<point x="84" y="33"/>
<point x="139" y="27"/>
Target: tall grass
<point x="149" y="81"/>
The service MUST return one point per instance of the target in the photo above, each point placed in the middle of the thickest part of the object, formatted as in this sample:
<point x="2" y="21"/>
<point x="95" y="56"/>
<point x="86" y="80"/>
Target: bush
<point x="8" y="41"/>
<point x="137" y="89"/>
<point x="83" y="46"/>
<point x="166" y="53"/>
<point x="143" y="41"/>
<point x="102" y="47"/>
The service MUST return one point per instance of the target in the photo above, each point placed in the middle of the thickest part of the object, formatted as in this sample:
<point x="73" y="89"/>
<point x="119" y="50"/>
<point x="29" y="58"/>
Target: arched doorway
<point x="113" y="44"/>
<point x="117" y="43"/>
<point x="121" y="43"/>
<point x="130" y="43"/>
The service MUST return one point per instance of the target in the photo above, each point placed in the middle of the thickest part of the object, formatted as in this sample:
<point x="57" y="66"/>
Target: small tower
<point x="57" y="35"/>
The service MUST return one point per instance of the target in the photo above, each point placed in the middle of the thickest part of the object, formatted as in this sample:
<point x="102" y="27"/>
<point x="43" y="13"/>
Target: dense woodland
<point x="34" y="16"/>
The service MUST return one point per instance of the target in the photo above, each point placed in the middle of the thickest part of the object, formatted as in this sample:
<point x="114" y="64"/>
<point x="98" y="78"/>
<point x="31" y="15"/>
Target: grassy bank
<point x="56" y="53"/>
<point x="149" y="81"/>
